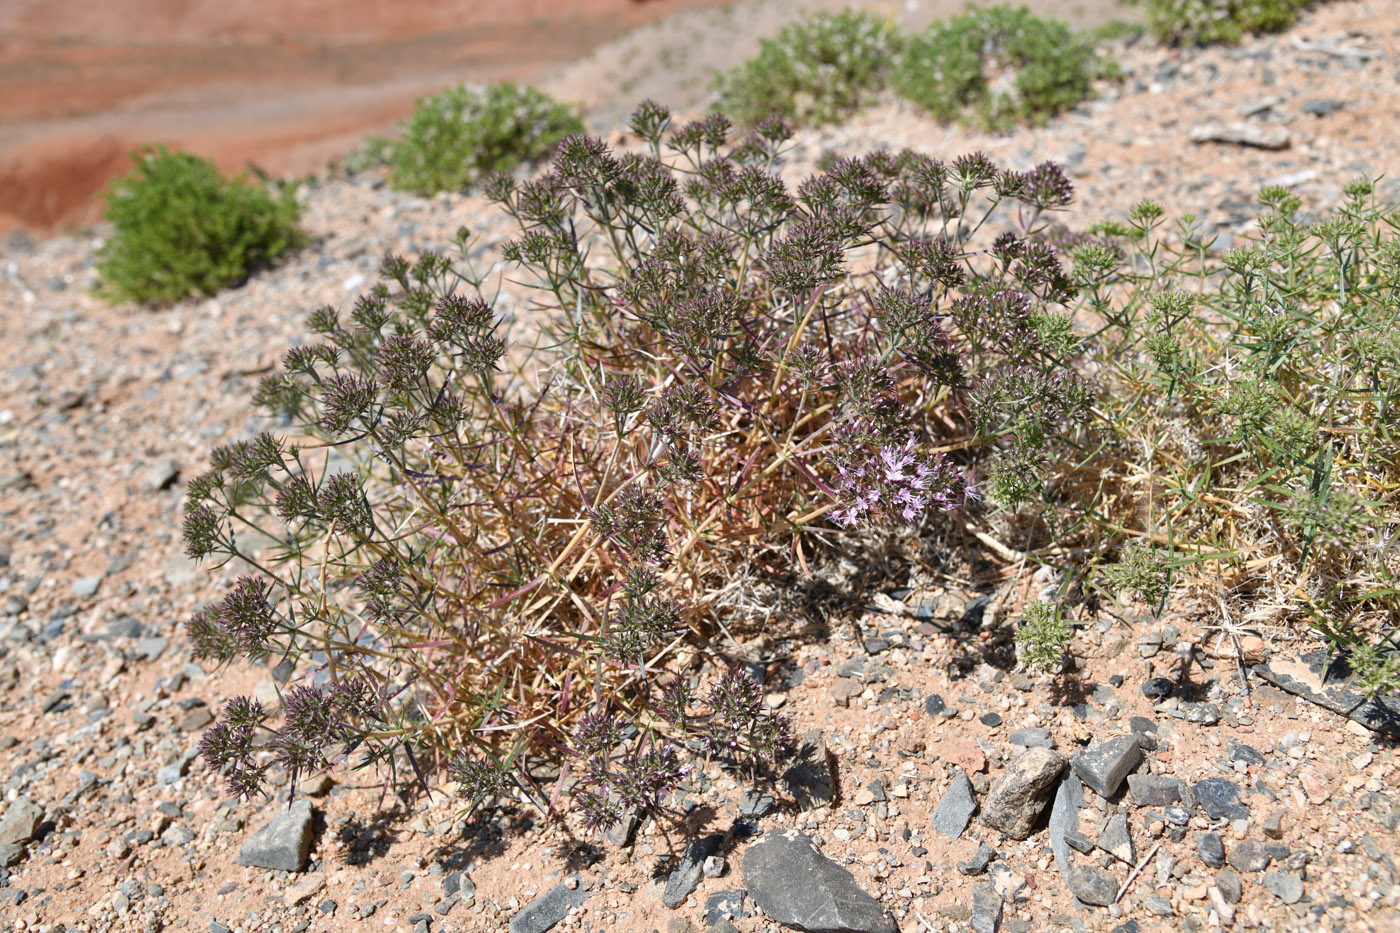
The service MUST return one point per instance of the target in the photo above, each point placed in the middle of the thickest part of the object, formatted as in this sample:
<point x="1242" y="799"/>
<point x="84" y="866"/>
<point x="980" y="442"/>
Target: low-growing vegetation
<point x="180" y="228"/>
<point x="1198" y="22"/>
<point x="815" y="71"/>
<point x="490" y="563"/>
<point x="997" y="66"/>
<point x="455" y="138"/>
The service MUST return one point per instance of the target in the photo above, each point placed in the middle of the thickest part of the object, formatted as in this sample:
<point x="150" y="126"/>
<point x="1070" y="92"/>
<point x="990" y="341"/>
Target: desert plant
<point x="455" y="138"/>
<point x="735" y="378"/>
<point x="815" y="71"/>
<point x="181" y="228"/>
<point x="1199" y="22"/>
<point x="1249" y="400"/>
<point x="996" y="66"/>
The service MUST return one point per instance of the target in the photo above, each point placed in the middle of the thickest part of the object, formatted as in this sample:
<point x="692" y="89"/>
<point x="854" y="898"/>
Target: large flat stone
<point x="549" y="908"/>
<point x="21" y="821"/>
<point x="1327" y="682"/>
<point x="800" y="888"/>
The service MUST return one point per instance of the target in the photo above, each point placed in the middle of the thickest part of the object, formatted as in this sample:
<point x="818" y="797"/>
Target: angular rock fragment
<point x="800" y="888"/>
<point x="1015" y="802"/>
<point x="956" y="808"/>
<point x="1104" y="766"/>
<point x="282" y="844"/>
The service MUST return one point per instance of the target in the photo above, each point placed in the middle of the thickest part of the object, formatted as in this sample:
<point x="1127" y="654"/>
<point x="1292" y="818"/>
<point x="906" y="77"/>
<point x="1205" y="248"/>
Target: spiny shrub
<point x="996" y="66"/>
<point x="181" y="228"/>
<point x="737" y="379"/>
<point x="1200" y="22"/>
<point x="1250" y="398"/>
<point x="815" y="71"/>
<point x="457" y="137"/>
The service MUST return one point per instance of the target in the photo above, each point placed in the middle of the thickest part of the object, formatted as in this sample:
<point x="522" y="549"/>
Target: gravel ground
<point x="110" y="824"/>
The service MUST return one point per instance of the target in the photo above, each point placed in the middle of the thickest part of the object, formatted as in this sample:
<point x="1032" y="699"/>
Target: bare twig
<point x="1136" y="871"/>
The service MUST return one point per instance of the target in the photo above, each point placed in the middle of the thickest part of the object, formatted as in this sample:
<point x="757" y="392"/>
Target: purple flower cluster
<point x="894" y="482"/>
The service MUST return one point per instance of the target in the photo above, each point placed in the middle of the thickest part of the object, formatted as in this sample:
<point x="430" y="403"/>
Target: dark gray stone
<point x="1248" y="754"/>
<point x="1328" y="683"/>
<point x="1176" y="816"/>
<point x="686" y="876"/>
<point x="990" y="719"/>
<point x="621" y="833"/>
<point x="1157" y="688"/>
<point x="1211" y="850"/>
<point x="1092" y="885"/>
<point x="1104" y="766"/>
<point x="979" y="861"/>
<point x="755" y="804"/>
<point x="986" y="909"/>
<point x="549" y="908"/>
<point x="809" y="778"/>
<point x="1064" y="820"/>
<point x="956" y="808"/>
<point x="1229" y="884"/>
<point x="282" y="844"/>
<point x="1141" y="725"/>
<point x="1152" y="790"/>
<point x="1015" y="802"/>
<point x="1116" y="840"/>
<point x="725" y="905"/>
<point x="1031" y="738"/>
<point x="934" y="705"/>
<point x="457" y="882"/>
<point x="1220" y="799"/>
<point x="1079" y="842"/>
<point x="1158" y="905"/>
<point x="798" y="887"/>
<point x="1248" y="856"/>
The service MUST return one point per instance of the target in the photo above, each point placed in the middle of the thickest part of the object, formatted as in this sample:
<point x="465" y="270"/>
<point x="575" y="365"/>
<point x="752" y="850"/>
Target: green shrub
<point x="457" y="137"/>
<point x="996" y="66"/>
<point x="181" y="228"/>
<point x="816" y="71"/>
<point x="1204" y="21"/>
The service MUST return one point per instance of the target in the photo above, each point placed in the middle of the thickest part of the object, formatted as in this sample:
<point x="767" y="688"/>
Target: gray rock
<point x="1248" y="856"/>
<point x="10" y="854"/>
<point x="725" y="905"/>
<point x="1321" y="108"/>
<point x="809" y="778"/>
<point x="1031" y="738"/>
<point x="150" y="648"/>
<point x="1220" y="799"/>
<point x="755" y="804"/>
<point x="1287" y="888"/>
<point x="1117" y="841"/>
<point x="458" y="883"/>
<point x="196" y="719"/>
<point x="1016" y="801"/>
<point x="1273" y="825"/>
<point x="1064" y="820"/>
<point x="1176" y="816"/>
<point x="1248" y="754"/>
<point x="621" y="833"/>
<point x="1104" y="766"/>
<point x="1152" y="790"/>
<point x="1229" y="884"/>
<point x="714" y="866"/>
<point x="21" y="821"/>
<point x="1324" y="679"/>
<point x="282" y="844"/>
<point x="161" y="474"/>
<point x="1079" y="842"/>
<point x="956" y="808"/>
<point x="934" y="705"/>
<point x="1092" y="885"/>
<point x="800" y="888"/>
<point x="1207" y="714"/>
<point x="986" y="909"/>
<point x="1241" y="134"/>
<point x="685" y="877"/>
<point x="83" y="587"/>
<point x="549" y="908"/>
<point x="979" y="861"/>
<point x="1158" y="905"/>
<point x="1211" y="850"/>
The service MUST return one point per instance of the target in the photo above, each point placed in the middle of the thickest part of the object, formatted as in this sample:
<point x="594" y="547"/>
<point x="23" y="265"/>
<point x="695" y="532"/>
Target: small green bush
<point x="181" y="228"/>
<point x="1198" y="22"/>
<point x="464" y="133"/>
<point x="997" y="66"/>
<point x="814" y="72"/>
